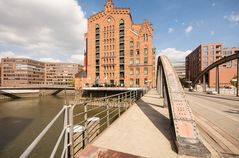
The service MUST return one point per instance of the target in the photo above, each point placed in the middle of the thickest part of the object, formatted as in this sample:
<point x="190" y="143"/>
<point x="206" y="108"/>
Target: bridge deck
<point x="143" y="130"/>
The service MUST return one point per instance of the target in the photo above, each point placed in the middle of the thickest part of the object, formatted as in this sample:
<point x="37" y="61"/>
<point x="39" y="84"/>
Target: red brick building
<point x="118" y="51"/>
<point x="206" y="54"/>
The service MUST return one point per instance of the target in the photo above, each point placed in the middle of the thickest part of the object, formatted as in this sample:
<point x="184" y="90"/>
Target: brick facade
<point x="118" y="51"/>
<point x="206" y="54"/>
<point x="23" y="72"/>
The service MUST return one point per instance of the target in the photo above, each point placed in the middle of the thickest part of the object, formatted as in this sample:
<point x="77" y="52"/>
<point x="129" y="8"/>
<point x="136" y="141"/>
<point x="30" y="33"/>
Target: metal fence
<point x="84" y="121"/>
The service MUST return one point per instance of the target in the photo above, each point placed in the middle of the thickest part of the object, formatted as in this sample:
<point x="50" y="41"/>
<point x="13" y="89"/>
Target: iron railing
<point x="64" y="133"/>
<point x="84" y="121"/>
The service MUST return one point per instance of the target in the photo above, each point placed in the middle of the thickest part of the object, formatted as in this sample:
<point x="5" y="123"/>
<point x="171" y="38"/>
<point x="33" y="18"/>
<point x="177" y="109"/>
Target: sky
<point x="53" y="30"/>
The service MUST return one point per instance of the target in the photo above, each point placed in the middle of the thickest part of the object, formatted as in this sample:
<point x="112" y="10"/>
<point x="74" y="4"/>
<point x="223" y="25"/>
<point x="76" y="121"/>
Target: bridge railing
<point x="63" y="135"/>
<point x="92" y="117"/>
<point x="183" y="124"/>
<point x="84" y="121"/>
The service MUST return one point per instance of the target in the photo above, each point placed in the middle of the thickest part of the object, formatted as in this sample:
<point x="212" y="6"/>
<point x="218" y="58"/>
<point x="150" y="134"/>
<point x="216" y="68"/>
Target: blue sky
<point x="206" y="20"/>
<point x="52" y="31"/>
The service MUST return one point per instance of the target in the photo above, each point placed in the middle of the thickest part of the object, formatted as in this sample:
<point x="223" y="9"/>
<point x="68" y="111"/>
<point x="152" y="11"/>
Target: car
<point x="191" y="89"/>
<point x="212" y="92"/>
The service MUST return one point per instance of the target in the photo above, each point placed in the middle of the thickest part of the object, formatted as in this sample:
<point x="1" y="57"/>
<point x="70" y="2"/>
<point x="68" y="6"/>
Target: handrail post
<point x="86" y="130"/>
<point x="108" y="112"/>
<point x="71" y="139"/>
<point x="119" y="105"/>
<point x="66" y="123"/>
<point x="126" y="104"/>
<point x="130" y="97"/>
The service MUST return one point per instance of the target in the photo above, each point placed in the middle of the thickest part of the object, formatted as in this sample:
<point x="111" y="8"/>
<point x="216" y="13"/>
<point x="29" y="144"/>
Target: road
<point x="218" y="121"/>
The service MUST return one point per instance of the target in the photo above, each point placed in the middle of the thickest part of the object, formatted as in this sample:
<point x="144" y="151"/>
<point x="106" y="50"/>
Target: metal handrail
<point x="118" y="102"/>
<point x="27" y="152"/>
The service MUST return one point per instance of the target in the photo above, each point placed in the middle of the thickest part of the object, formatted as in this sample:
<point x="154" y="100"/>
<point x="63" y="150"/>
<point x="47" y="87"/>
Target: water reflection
<point x="23" y="119"/>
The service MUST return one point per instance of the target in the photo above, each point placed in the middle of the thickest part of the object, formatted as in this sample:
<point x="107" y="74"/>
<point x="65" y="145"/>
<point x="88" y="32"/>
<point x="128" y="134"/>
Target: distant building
<point x="0" y="74"/>
<point x="118" y="51"/>
<point x="180" y="69"/>
<point x="206" y="54"/>
<point x="61" y="73"/>
<point x="23" y="72"/>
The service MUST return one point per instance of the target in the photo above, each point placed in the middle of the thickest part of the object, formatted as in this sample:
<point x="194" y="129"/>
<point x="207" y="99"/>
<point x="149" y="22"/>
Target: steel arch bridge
<point x="216" y="65"/>
<point x="182" y="121"/>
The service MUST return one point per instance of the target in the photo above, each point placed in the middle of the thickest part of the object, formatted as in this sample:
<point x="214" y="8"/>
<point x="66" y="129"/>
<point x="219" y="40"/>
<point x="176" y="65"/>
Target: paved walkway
<point x="143" y="130"/>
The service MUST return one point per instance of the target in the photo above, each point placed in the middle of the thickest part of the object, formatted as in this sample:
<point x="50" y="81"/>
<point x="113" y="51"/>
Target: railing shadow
<point x="161" y="122"/>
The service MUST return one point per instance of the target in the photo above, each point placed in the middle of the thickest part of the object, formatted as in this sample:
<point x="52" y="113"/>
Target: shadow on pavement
<point x="160" y="121"/>
<point x="232" y="111"/>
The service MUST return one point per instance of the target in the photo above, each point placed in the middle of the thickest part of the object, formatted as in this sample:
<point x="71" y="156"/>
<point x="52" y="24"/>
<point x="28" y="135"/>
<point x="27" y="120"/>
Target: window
<point x="137" y="52"/>
<point x="205" y="53"/>
<point x="121" y="39"/>
<point x="121" y="75"/>
<point x="229" y="64"/>
<point x="97" y="49"/>
<point x="121" y="53"/>
<point x="131" y="61"/>
<point x="137" y="44"/>
<point x="121" y="46"/>
<point x="229" y="52"/>
<point x="137" y="61"/>
<point x="205" y="48"/>
<point x="211" y="58"/>
<point x="97" y="29"/>
<point x="145" y="37"/>
<point x="131" y="44"/>
<point x="224" y="53"/>
<point x="121" y="67"/>
<point x="131" y="52"/>
<point x="137" y="82"/>
<point x="145" y="51"/>
<point x="121" y="60"/>
<point x="97" y="69"/>
<point x="145" y="71"/>
<point x="131" y="82"/>
<point x="137" y="72"/>
<point x="131" y="72"/>
<point x="145" y="81"/>
<point x="205" y="58"/>
<point x="145" y="60"/>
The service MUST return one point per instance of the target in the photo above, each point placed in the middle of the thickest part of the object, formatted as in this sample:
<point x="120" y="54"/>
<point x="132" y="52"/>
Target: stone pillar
<point x="217" y="80"/>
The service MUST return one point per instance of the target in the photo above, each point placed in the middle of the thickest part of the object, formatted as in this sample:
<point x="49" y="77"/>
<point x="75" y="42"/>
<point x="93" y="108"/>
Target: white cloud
<point x="170" y="30"/>
<point x="175" y="55"/>
<point x="76" y="58"/>
<point x="50" y="60"/>
<point x="188" y="29"/>
<point x="9" y="54"/>
<point x="232" y="17"/>
<point x="212" y="32"/>
<point x="42" y="28"/>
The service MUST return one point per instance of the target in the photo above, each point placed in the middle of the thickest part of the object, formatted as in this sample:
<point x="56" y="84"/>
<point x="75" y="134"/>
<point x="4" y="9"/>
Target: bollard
<point x="78" y="139"/>
<point x="93" y="128"/>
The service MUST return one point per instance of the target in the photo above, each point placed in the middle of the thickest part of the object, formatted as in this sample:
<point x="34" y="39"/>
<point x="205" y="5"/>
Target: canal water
<point x="22" y="120"/>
